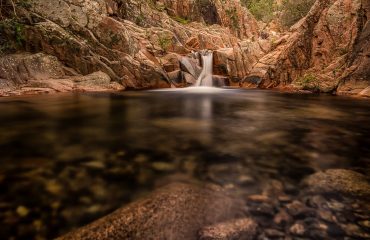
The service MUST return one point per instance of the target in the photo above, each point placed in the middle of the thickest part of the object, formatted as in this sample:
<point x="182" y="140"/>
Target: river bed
<point x="68" y="159"/>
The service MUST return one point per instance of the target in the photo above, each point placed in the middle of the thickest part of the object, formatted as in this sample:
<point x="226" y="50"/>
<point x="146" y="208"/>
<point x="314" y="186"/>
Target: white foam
<point x="194" y="90"/>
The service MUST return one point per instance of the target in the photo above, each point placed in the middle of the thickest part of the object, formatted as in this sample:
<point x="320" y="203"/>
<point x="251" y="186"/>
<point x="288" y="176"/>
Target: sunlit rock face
<point x="140" y="44"/>
<point x="329" y="47"/>
<point x="23" y="74"/>
<point x="131" y="41"/>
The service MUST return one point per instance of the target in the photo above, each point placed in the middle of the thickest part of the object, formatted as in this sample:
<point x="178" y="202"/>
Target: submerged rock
<point x="242" y="229"/>
<point x="177" y="211"/>
<point x="339" y="181"/>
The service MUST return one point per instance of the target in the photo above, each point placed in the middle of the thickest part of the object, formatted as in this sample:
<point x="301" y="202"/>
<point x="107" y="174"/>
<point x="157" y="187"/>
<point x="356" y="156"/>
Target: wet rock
<point x="175" y="76"/>
<point x="274" y="188"/>
<point x="263" y="209"/>
<point x="355" y="231"/>
<point x="220" y="81"/>
<point x="163" y="166"/>
<point x="190" y="66"/>
<point x="19" y="68"/>
<point x="282" y="218"/>
<point x="339" y="181"/>
<point x="157" y="215"/>
<point x="236" y="229"/>
<point x="298" y="229"/>
<point x="245" y="180"/>
<point x="95" y="164"/>
<point x="317" y="201"/>
<point x="365" y="92"/>
<point x="335" y="230"/>
<point x="22" y="211"/>
<point x="365" y="223"/>
<point x="274" y="233"/>
<point x="299" y="210"/>
<point x="326" y="215"/>
<point x="189" y="79"/>
<point x="41" y="73"/>
<point x="236" y="62"/>
<point x="259" y="198"/>
<point x="284" y="198"/>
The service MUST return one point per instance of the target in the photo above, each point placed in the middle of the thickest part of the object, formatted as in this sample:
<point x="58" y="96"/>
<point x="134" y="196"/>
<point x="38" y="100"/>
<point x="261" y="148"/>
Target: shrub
<point x="181" y="20"/>
<point x="308" y="82"/>
<point x="232" y="14"/>
<point x="164" y="42"/>
<point x="11" y="35"/>
<point x="262" y="10"/>
<point x="294" y="10"/>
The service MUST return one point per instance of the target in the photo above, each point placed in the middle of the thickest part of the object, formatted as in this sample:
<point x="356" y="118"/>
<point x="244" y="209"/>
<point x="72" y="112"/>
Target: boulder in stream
<point x="177" y="211"/>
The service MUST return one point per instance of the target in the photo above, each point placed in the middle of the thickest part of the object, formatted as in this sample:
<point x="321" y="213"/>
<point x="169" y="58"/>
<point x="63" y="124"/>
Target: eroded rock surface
<point x="339" y="181"/>
<point x="130" y="41"/>
<point x="141" y="44"/>
<point x="177" y="211"/>
<point x="326" y="49"/>
<point x="41" y="73"/>
<point x="242" y="229"/>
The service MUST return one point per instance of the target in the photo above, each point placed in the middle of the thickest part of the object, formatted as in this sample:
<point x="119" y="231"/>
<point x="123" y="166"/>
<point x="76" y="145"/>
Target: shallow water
<point x="68" y="159"/>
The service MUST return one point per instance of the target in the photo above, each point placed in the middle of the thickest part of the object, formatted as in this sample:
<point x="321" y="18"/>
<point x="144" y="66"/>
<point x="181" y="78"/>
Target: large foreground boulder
<point x="177" y="211"/>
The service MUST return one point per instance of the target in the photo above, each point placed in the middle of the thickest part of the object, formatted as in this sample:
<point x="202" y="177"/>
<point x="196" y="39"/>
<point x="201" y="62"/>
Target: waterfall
<point x="205" y="78"/>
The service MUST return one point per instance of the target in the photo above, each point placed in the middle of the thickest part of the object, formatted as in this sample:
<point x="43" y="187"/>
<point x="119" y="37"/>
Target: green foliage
<point x="181" y="20"/>
<point x="11" y="35"/>
<point x="140" y="19"/>
<point x="294" y="10"/>
<point x="309" y="82"/>
<point x="263" y="10"/>
<point x="291" y="10"/>
<point x="232" y="14"/>
<point x="164" y="42"/>
<point x="24" y="3"/>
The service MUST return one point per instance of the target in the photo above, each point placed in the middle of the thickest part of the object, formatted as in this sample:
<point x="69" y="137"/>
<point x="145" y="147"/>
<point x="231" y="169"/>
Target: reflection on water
<point x="68" y="159"/>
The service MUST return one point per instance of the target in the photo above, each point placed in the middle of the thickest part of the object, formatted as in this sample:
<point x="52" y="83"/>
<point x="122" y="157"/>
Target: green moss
<point x="263" y="10"/>
<point x="232" y="14"/>
<point x="181" y="20"/>
<point x="11" y="35"/>
<point x="164" y="42"/>
<point x="24" y="3"/>
<point x="294" y="10"/>
<point x="140" y="19"/>
<point x="308" y="82"/>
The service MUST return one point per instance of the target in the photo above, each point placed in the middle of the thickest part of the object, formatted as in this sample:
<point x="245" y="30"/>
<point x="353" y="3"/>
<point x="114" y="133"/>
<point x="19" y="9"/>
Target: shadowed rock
<point x="177" y="211"/>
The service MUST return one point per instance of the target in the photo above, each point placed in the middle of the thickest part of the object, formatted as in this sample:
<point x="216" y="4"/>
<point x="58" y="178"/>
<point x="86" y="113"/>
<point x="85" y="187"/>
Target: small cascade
<point x="205" y="78"/>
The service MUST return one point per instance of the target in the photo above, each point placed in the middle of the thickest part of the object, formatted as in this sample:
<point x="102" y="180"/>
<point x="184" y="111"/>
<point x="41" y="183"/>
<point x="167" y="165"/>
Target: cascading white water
<point x="205" y="78"/>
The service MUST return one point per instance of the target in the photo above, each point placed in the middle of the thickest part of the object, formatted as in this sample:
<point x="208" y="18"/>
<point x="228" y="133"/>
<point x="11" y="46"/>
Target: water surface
<point x="68" y="159"/>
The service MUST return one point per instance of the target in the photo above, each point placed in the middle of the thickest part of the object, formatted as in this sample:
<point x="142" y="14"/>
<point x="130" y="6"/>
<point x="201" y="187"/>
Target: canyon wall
<point x="327" y="51"/>
<point x="137" y="44"/>
<point x="150" y="44"/>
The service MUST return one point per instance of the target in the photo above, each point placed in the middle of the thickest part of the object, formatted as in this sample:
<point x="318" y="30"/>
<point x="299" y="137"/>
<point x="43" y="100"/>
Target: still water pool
<point x="68" y="159"/>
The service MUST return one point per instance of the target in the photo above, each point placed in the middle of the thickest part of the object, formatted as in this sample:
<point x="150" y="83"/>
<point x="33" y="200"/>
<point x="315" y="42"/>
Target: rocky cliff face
<point x="325" y="50"/>
<point x="138" y="44"/>
<point x="149" y="44"/>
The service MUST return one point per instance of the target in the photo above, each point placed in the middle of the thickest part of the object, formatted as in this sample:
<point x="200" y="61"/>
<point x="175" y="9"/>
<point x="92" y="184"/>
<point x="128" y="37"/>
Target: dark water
<point x="69" y="159"/>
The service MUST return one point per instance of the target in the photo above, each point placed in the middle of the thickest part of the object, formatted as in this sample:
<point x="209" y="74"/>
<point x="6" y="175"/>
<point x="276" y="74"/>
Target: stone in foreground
<point x="177" y="211"/>
<point x="241" y="229"/>
<point x="339" y="181"/>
